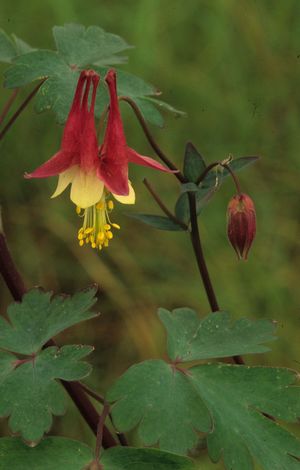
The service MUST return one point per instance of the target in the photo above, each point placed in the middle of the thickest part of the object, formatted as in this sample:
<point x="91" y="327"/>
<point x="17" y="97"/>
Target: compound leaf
<point x="66" y="454"/>
<point x="191" y="338"/>
<point x="77" y="48"/>
<point x="237" y="397"/>
<point x="81" y="46"/>
<point x="158" y="399"/>
<point x="40" y="316"/>
<point x="29" y="392"/>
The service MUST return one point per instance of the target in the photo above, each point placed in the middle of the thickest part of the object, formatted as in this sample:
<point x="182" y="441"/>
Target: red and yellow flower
<point x="94" y="173"/>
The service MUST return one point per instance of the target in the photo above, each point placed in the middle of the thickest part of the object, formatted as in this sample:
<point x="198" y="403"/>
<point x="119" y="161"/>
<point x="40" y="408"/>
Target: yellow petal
<point x="86" y="189"/>
<point x="64" y="179"/>
<point x="129" y="199"/>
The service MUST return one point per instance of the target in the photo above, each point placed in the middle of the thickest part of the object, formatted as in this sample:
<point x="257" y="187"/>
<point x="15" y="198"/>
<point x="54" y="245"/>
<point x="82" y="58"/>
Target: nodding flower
<point x="95" y="173"/>
<point x="241" y="226"/>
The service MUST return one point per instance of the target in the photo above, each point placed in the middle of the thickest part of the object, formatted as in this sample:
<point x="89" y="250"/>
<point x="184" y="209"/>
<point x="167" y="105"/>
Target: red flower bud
<point x="241" y="224"/>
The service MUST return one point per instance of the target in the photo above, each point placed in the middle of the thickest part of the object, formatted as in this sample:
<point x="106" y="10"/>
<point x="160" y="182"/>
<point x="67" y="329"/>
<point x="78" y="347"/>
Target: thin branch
<point x="234" y="177"/>
<point x="163" y="207"/>
<point x="101" y="399"/>
<point x="206" y="171"/>
<point x="17" y="288"/>
<point x="10" y="274"/>
<point x="21" y="108"/>
<point x="8" y="105"/>
<point x="92" y="393"/>
<point x="151" y="140"/>
<point x="100" y="430"/>
<point x="196" y="242"/>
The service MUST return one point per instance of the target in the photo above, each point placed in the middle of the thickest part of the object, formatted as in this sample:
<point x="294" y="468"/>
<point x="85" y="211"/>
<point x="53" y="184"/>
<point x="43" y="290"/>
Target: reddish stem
<point x="8" y="105"/>
<point x="20" y="109"/>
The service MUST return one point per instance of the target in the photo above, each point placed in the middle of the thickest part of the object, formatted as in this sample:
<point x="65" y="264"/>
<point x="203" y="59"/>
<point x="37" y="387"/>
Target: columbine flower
<point x="241" y="224"/>
<point x="94" y="173"/>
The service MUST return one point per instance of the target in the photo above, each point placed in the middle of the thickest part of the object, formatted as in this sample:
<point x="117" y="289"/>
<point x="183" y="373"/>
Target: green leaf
<point x="203" y="196"/>
<point x="191" y="338"/>
<point x="22" y="47"/>
<point x="149" y="111"/>
<point x="126" y="458"/>
<point x="40" y="316"/>
<point x="208" y="187"/>
<point x="81" y="46"/>
<point x="7" y="48"/>
<point x="158" y="399"/>
<point x="219" y="172"/>
<point x="77" y="48"/>
<point x="11" y="47"/>
<point x="237" y="397"/>
<point x="52" y="453"/>
<point x="157" y="221"/>
<point x="60" y="453"/>
<point x="34" y="66"/>
<point x="193" y="164"/>
<point x="29" y="392"/>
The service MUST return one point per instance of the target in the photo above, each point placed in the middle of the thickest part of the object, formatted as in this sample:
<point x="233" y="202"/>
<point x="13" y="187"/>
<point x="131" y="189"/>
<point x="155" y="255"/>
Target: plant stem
<point x="100" y="430"/>
<point x="234" y="177"/>
<point x="20" y="109"/>
<point x="162" y="205"/>
<point x="195" y="235"/>
<point x="8" y="105"/>
<point x="151" y="140"/>
<point x="196" y="242"/>
<point x="10" y="274"/>
<point x="197" y="246"/>
<point x="17" y="288"/>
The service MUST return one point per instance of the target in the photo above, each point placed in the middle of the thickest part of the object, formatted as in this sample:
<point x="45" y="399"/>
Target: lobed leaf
<point x="81" y="46"/>
<point x="40" y="316"/>
<point x="77" y="48"/>
<point x="237" y="397"/>
<point x="29" y="392"/>
<point x="159" y="400"/>
<point x="191" y="338"/>
<point x="66" y="454"/>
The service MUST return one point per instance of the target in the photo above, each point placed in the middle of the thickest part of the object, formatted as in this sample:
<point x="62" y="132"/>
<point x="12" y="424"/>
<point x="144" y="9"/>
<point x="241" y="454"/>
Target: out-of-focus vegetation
<point x="234" y="67"/>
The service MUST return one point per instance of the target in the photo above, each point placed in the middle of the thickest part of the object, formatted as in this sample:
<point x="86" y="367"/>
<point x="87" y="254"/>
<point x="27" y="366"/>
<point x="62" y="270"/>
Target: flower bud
<point x="241" y="226"/>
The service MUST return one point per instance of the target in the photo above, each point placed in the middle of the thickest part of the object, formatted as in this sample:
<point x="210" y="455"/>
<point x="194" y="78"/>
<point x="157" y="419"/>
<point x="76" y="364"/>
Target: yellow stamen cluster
<point x="97" y="226"/>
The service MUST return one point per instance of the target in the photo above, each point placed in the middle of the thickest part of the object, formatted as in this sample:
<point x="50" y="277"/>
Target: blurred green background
<point x="234" y="67"/>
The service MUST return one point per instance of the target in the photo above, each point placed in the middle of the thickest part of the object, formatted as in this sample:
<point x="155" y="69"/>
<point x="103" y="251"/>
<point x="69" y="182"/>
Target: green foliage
<point x="66" y="454"/>
<point x="77" y="48"/>
<point x="40" y="316"/>
<point x="193" y="167"/>
<point x="158" y="221"/>
<point x="191" y="338"/>
<point x="236" y="397"/>
<point x="29" y="393"/>
<point x="167" y="405"/>
<point x="11" y="47"/>
<point x="158" y="398"/>
<point x="193" y="163"/>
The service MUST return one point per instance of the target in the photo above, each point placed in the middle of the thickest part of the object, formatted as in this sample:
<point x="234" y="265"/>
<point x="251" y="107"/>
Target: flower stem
<point x="21" y="108"/>
<point x="151" y="140"/>
<point x="163" y="207"/>
<point x="17" y="288"/>
<point x="197" y="246"/>
<point x="234" y="177"/>
<point x="8" y="105"/>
